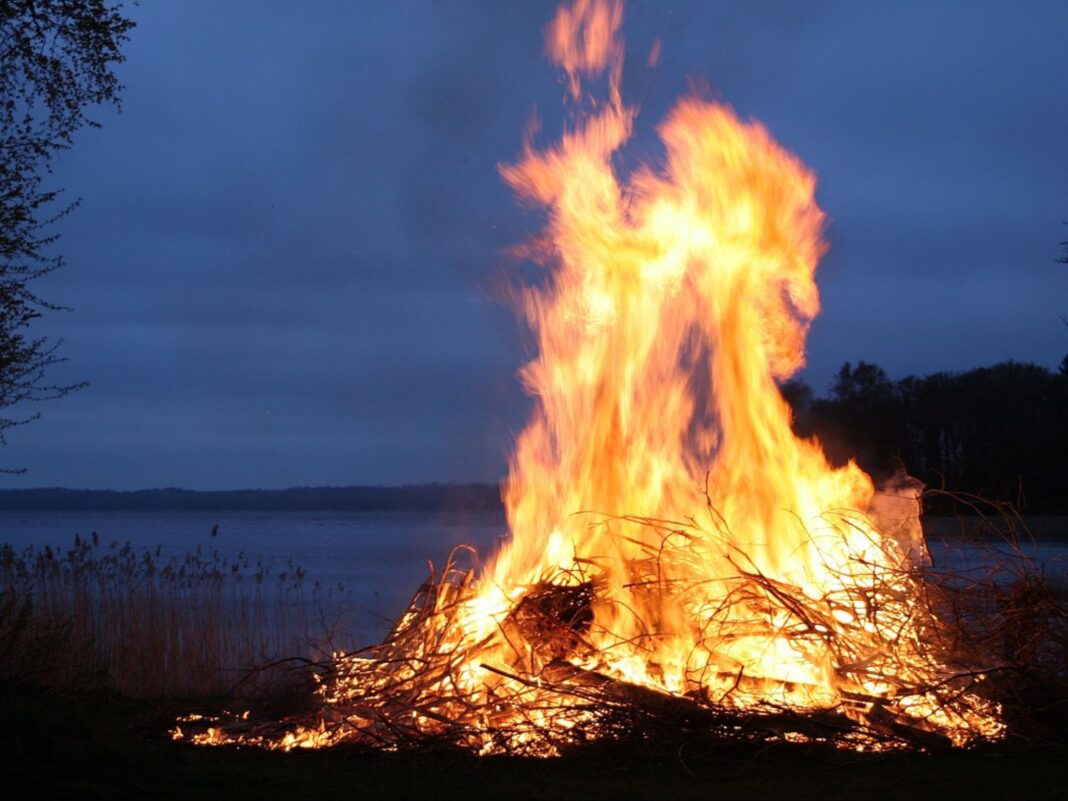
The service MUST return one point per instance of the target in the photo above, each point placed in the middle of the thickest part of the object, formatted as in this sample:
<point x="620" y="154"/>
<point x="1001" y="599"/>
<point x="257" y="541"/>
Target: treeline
<point x="411" y="498"/>
<point x="1000" y="432"/>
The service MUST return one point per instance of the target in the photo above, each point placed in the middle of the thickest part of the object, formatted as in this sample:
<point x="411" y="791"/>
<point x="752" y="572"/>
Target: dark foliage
<point x="999" y="432"/>
<point x="56" y="61"/>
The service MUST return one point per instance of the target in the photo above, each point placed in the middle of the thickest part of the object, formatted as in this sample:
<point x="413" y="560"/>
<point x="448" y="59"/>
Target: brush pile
<point x="975" y="643"/>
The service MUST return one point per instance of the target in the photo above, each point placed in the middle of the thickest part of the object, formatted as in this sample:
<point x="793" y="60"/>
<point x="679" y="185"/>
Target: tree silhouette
<point x="861" y="419"/>
<point x="1064" y="260"/>
<point x="999" y="431"/>
<point x="56" y="61"/>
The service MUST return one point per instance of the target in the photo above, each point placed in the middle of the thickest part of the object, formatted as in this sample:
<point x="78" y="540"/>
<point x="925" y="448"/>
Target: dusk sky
<point x="283" y="270"/>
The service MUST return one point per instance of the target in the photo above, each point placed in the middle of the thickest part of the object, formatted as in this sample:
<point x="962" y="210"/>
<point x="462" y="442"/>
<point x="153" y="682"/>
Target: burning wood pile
<point x="764" y="594"/>
<point x="539" y="685"/>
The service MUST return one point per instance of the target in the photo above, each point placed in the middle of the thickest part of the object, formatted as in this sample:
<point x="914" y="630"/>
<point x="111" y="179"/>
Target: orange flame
<point x="757" y="573"/>
<point x="584" y="40"/>
<point x="676" y="300"/>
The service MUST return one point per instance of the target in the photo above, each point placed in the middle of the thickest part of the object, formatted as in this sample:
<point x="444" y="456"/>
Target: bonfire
<point x="678" y="559"/>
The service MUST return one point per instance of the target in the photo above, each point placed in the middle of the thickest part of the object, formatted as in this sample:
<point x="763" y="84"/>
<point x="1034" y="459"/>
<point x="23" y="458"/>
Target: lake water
<point x="381" y="558"/>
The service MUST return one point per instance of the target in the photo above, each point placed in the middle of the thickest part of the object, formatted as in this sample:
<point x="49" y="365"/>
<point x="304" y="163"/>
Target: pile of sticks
<point x="429" y="684"/>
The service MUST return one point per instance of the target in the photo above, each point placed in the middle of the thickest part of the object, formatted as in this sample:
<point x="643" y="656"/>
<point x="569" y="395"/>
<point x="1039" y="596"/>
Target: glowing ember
<point x="758" y="578"/>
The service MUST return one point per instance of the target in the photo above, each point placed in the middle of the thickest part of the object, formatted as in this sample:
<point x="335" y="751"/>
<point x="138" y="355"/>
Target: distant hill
<point x="414" y="498"/>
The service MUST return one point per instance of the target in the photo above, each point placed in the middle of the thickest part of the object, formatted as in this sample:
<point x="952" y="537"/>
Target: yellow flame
<point x="756" y="573"/>
<point x="678" y="298"/>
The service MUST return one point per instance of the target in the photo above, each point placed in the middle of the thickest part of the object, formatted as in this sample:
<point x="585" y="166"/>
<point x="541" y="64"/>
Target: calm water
<point x="381" y="559"/>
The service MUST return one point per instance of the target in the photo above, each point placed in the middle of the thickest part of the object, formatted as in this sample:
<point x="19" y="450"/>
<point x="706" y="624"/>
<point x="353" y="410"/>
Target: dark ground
<point x="103" y="747"/>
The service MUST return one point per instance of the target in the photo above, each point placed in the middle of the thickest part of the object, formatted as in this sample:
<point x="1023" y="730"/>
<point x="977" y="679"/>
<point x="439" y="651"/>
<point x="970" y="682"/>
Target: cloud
<point x="283" y="268"/>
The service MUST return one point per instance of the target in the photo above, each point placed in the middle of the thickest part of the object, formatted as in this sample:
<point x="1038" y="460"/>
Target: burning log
<point x="551" y="620"/>
<point x="569" y="677"/>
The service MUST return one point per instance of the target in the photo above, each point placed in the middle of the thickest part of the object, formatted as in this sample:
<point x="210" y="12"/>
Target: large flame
<point x="668" y="529"/>
<point x="676" y="300"/>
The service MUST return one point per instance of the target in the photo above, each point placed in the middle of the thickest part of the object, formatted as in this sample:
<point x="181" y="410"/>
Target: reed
<point x="148" y="625"/>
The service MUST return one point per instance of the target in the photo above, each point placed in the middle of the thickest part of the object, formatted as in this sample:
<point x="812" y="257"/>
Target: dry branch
<point x="426" y="685"/>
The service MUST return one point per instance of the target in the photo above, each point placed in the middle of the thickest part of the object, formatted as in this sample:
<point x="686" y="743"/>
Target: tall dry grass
<point x="1007" y="609"/>
<point x="146" y="625"/>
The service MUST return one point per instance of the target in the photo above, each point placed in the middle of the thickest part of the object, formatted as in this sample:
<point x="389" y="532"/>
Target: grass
<point x="134" y="622"/>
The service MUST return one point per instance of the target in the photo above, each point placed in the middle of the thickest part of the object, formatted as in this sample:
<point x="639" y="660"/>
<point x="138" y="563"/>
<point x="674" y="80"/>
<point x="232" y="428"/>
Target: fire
<point x="672" y="540"/>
